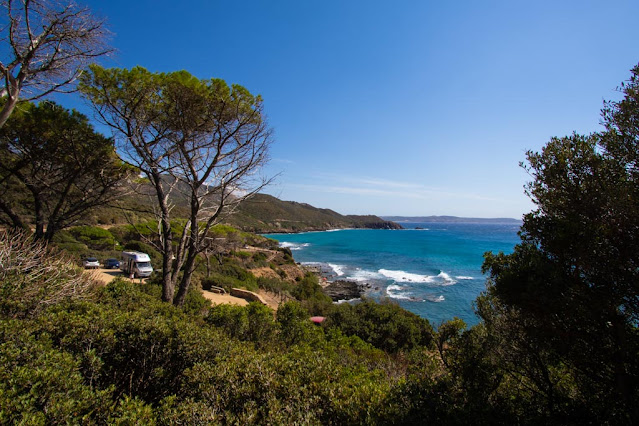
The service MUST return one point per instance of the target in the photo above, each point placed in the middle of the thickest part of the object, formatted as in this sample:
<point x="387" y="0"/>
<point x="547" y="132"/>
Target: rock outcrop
<point x="344" y="290"/>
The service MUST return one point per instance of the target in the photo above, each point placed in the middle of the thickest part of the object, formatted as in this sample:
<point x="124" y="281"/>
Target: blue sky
<point x="396" y="108"/>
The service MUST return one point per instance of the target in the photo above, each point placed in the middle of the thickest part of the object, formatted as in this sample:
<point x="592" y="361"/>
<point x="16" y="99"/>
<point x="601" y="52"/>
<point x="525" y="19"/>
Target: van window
<point x="144" y="264"/>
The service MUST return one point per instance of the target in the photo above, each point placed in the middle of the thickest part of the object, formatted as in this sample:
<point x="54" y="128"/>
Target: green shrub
<point x="313" y="298"/>
<point x="40" y="384"/>
<point x="232" y="318"/>
<point x="95" y="238"/>
<point x="261" y="323"/>
<point x="385" y="325"/>
<point x="294" y="323"/>
<point x="195" y="303"/>
<point x="241" y="254"/>
<point x="274" y="285"/>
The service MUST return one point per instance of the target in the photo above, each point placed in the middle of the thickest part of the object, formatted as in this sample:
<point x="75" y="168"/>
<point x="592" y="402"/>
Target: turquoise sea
<point x="434" y="271"/>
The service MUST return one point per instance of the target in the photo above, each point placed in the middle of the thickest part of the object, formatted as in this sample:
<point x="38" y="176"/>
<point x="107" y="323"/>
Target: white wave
<point x="406" y="277"/>
<point x="364" y="275"/>
<point x="294" y="246"/>
<point x="447" y="279"/>
<point x="394" y="292"/>
<point x="462" y="277"/>
<point x="340" y="301"/>
<point x="338" y="269"/>
<point x="435" y="299"/>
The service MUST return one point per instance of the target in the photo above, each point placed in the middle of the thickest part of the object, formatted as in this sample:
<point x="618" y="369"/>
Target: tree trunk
<point x="191" y="254"/>
<point x="185" y="282"/>
<point x="16" y="220"/>
<point x="168" y="284"/>
<point x="39" y="220"/>
<point x="11" y="101"/>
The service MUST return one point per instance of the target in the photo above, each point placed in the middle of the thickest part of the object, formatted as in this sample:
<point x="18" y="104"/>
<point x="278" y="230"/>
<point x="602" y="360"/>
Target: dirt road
<point x="107" y="275"/>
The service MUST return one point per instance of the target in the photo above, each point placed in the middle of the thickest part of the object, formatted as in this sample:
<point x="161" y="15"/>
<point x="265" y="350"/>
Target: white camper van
<point x="136" y="264"/>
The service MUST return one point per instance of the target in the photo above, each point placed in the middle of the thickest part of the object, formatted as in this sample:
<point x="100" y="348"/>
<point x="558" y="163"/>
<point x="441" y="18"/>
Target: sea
<point x="430" y="268"/>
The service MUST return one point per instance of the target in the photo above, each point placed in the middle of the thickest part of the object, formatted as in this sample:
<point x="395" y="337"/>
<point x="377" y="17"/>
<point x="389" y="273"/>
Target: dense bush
<point x="274" y="285"/>
<point x="65" y="241"/>
<point x="310" y="293"/>
<point x="230" y="275"/>
<point x="95" y="238"/>
<point x="385" y="325"/>
<point x="127" y="357"/>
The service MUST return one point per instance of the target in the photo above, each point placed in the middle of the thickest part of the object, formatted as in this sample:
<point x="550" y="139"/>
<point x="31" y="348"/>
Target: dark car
<point x="111" y="264"/>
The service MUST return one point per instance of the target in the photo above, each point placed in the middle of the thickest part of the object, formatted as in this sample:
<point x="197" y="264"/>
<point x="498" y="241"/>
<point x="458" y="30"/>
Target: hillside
<point x="265" y="213"/>
<point x="260" y="214"/>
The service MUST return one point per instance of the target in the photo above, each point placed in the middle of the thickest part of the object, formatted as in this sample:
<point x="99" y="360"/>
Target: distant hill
<point x="265" y="213"/>
<point x="260" y="214"/>
<point x="450" y="219"/>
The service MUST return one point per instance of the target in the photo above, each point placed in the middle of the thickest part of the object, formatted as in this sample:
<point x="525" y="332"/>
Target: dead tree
<point x="47" y="45"/>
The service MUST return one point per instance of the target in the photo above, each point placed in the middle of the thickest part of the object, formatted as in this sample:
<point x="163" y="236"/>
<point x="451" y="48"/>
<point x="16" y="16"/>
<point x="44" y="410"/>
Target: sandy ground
<point x="107" y="275"/>
<point x="217" y="299"/>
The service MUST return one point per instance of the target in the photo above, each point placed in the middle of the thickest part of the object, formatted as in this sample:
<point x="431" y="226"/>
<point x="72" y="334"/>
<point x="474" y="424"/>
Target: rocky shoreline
<point x="337" y="289"/>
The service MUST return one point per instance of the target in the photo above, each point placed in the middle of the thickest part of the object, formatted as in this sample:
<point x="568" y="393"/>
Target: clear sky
<point x="396" y="108"/>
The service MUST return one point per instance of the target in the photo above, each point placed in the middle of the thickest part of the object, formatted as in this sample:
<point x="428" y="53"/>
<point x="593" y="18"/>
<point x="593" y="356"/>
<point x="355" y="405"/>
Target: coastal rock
<point x="383" y="225"/>
<point x="344" y="290"/>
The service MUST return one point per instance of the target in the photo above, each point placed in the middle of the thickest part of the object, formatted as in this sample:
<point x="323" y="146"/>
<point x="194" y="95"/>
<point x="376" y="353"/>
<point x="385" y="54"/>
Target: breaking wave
<point x="406" y="277"/>
<point x="395" y="292"/>
<point x="294" y="246"/>
<point x="338" y="269"/>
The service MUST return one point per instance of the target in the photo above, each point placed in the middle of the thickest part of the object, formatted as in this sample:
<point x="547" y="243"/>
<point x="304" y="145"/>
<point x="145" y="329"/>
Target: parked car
<point x="91" y="263"/>
<point x="112" y="263"/>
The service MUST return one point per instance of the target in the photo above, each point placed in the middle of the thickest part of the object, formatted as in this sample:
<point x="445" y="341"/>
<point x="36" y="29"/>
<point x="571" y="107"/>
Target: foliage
<point x="41" y="384"/>
<point x="253" y="323"/>
<point x="274" y="285"/>
<point x="565" y="302"/>
<point x="294" y="323"/>
<point x="310" y="293"/>
<point x="95" y="238"/>
<point x="129" y="357"/>
<point x="66" y="242"/>
<point x="55" y="169"/>
<point x="200" y="138"/>
<point x="384" y="325"/>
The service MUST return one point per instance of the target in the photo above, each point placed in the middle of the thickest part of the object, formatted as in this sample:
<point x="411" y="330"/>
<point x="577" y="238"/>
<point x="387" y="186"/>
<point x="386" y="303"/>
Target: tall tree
<point x="573" y="280"/>
<point x="199" y="140"/>
<point x="45" y="45"/>
<point x="54" y="168"/>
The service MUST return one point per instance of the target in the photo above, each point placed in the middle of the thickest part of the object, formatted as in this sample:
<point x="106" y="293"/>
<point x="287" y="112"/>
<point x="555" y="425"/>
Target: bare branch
<point x="50" y="43"/>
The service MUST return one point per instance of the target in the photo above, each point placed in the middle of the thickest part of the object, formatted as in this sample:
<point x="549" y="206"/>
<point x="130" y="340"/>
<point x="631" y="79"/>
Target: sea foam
<point x="441" y="279"/>
<point x="364" y="275"/>
<point x="395" y="292"/>
<point x="338" y="269"/>
<point x="294" y="246"/>
<point x="406" y="277"/>
<point x="447" y="280"/>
